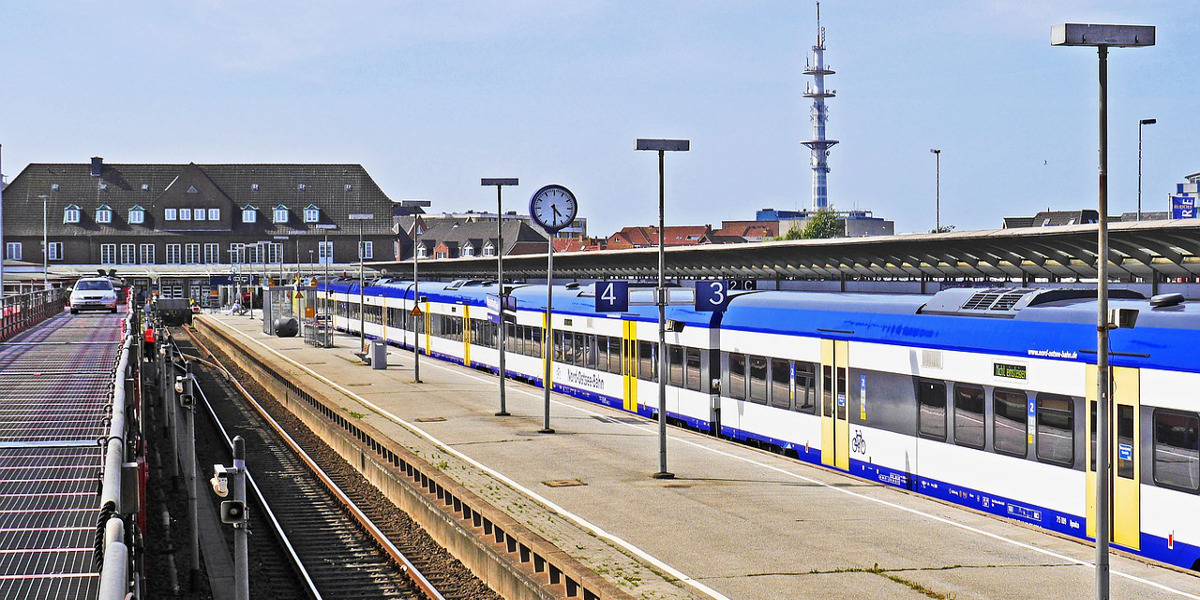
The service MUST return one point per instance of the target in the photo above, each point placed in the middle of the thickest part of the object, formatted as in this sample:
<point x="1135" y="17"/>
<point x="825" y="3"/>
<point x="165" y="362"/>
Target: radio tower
<point x="819" y="145"/>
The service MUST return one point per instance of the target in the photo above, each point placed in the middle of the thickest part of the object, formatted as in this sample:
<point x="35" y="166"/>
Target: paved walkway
<point x="735" y="523"/>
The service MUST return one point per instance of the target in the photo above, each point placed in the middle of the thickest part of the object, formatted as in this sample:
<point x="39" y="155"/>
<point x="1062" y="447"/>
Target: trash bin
<point x="286" y="327"/>
<point x="378" y="355"/>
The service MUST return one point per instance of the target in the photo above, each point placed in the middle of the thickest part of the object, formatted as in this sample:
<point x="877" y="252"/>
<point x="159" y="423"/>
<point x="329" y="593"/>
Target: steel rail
<point x="408" y="567"/>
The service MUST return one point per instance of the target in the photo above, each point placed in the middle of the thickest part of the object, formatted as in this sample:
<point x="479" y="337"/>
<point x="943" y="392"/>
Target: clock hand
<point x="555" y="209"/>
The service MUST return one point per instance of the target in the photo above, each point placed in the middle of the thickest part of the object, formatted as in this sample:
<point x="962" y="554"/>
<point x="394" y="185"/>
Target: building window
<point x="54" y="251"/>
<point x="275" y="253"/>
<point x="104" y="214"/>
<point x="312" y="214"/>
<point x="237" y="253"/>
<point x="489" y="249"/>
<point x="108" y="254"/>
<point x="71" y="214"/>
<point x="185" y="214"/>
<point x="420" y="251"/>
<point x="173" y="254"/>
<point x="366" y="250"/>
<point x="137" y="215"/>
<point x="249" y="214"/>
<point x="129" y="254"/>
<point x="214" y="214"/>
<point x="191" y="254"/>
<point x="440" y="255"/>
<point x="12" y="251"/>
<point x="281" y="214"/>
<point x="325" y="252"/>
<point x="169" y="214"/>
<point x="212" y="254"/>
<point x="198" y="214"/>
<point x="147" y="254"/>
<point x="468" y="250"/>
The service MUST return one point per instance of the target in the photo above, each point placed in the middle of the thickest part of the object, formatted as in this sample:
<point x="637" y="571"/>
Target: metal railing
<point x="20" y="312"/>
<point x="112" y="552"/>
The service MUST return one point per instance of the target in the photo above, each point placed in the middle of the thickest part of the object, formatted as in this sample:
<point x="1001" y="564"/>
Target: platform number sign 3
<point x="712" y="296"/>
<point x="612" y="296"/>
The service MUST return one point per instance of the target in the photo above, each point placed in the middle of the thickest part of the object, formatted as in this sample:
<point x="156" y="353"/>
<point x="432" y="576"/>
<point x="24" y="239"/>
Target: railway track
<point x="325" y="541"/>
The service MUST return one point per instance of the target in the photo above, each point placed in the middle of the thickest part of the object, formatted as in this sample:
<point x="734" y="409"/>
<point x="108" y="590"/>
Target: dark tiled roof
<point x="123" y="186"/>
<point x="456" y="233"/>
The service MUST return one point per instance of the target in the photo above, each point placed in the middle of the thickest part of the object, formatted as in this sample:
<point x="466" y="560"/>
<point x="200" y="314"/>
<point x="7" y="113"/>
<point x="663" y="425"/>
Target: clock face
<point x="553" y="207"/>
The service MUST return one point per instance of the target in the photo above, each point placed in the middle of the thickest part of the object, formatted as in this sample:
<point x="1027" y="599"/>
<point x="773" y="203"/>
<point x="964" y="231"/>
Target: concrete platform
<point x="735" y="522"/>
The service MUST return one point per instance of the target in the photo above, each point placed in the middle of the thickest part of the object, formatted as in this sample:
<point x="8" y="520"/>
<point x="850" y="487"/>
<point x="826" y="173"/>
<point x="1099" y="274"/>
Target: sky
<point x="432" y="96"/>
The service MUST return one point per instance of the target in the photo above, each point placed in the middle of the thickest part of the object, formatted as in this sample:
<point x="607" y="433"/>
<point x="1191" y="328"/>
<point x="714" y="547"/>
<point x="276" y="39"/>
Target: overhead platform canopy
<point x="1138" y="249"/>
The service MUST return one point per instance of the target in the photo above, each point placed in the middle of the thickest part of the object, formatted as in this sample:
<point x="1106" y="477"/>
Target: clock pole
<point x="548" y="343"/>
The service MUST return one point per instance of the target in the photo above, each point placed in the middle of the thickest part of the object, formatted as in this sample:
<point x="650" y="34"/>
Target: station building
<point x="189" y="224"/>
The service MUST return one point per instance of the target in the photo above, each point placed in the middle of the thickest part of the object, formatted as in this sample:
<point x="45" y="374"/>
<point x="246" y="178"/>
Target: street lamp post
<point x="416" y="206"/>
<point x="362" y="281"/>
<point x="46" y="247"/>
<point x="662" y="147"/>
<point x="1102" y="37"/>
<point x="937" y="210"/>
<point x="500" y="183"/>
<point x="1140" y="124"/>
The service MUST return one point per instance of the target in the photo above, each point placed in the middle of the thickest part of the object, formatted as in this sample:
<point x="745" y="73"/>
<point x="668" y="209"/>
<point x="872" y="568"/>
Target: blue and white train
<point x="984" y="398"/>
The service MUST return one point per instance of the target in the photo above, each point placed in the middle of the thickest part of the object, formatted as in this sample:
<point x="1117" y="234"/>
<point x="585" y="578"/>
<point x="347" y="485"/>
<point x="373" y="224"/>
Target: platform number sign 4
<point x="612" y="296"/>
<point x="712" y="296"/>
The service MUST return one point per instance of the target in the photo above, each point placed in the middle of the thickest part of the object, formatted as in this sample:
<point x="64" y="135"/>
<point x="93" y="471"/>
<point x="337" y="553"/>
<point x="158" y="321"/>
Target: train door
<point x="629" y="364"/>
<point x="1124" y="444"/>
<point x="835" y="423"/>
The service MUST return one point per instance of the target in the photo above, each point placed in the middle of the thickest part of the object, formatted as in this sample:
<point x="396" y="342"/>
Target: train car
<point x="984" y="398"/>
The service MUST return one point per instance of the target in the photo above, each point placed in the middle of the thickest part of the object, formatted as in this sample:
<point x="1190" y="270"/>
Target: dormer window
<point x="312" y="214"/>
<point x="137" y="215"/>
<point x="104" y="214"/>
<point x="468" y="250"/>
<point x="249" y="213"/>
<point x="71" y="214"/>
<point x="281" y="214"/>
<point x="489" y="249"/>
<point x="421" y="251"/>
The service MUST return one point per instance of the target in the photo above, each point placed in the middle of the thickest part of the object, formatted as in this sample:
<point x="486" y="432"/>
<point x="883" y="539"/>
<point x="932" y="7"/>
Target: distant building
<point x="192" y="221"/>
<point x="580" y="244"/>
<point x="442" y="238"/>
<point x="647" y="237"/>
<point x="746" y="231"/>
<point x="855" y="223"/>
<point x="1053" y="218"/>
<point x="578" y="228"/>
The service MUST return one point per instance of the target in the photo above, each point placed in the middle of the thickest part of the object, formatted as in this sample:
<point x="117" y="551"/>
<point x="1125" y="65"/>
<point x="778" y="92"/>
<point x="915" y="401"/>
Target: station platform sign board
<point x="1183" y="207"/>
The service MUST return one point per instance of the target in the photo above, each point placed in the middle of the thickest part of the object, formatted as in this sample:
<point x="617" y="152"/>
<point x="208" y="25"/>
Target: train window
<point x="558" y="346"/>
<point x="675" y="365"/>
<point x="737" y="376"/>
<point x="610" y="354"/>
<point x="841" y="386"/>
<point x="536" y="339"/>
<point x="647" y="358"/>
<point x="1177" y="450"/>
<point x="1055" y="442"/>
<point x="590" y="351"/>
<point x="1009" y="424"/>
<point x="931" y="414"/>
<point x="806" y="388"/>
<point x="510" y="342"/>
<point x="601" y="353"/>
<point x="827" y="390"/>
<point x="758" y="379"/>
<point x="968" y="416"/>
<point x="692" y="369"/>
<point x="581" y="349"/>
<point x="781" y="383"/>
<point x="1125" y="438"/>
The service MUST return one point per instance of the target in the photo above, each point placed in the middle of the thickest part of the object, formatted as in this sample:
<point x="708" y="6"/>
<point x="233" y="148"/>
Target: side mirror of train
<point x="1122" y="318"/>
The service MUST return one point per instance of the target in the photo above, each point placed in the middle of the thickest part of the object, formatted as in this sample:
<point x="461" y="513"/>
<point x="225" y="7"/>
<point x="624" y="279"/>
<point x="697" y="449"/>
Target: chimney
<point x="97" y="165"/>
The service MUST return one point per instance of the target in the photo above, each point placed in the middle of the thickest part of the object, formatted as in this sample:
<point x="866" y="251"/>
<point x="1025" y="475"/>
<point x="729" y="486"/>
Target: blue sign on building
<point x="1183" y="207"/>
<point x="612" y="296"/>
<point x="712" y="296"/>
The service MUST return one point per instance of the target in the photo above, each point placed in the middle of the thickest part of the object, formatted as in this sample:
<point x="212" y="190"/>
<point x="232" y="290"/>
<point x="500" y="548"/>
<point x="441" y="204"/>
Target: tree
<point x="822" y="224"/>
<point x="942" y="229"/>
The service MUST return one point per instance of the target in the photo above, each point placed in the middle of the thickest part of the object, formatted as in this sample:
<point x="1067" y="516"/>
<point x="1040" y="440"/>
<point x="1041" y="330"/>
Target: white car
<point x="93" y="293"/>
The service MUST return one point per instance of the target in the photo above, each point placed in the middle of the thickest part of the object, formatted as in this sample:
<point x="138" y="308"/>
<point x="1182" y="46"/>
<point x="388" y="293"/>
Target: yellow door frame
<point x="1125" y="446"/>
<point x="835" y="419"/>
<point x="629" y="365"/>
<point x="466" y="335"/>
